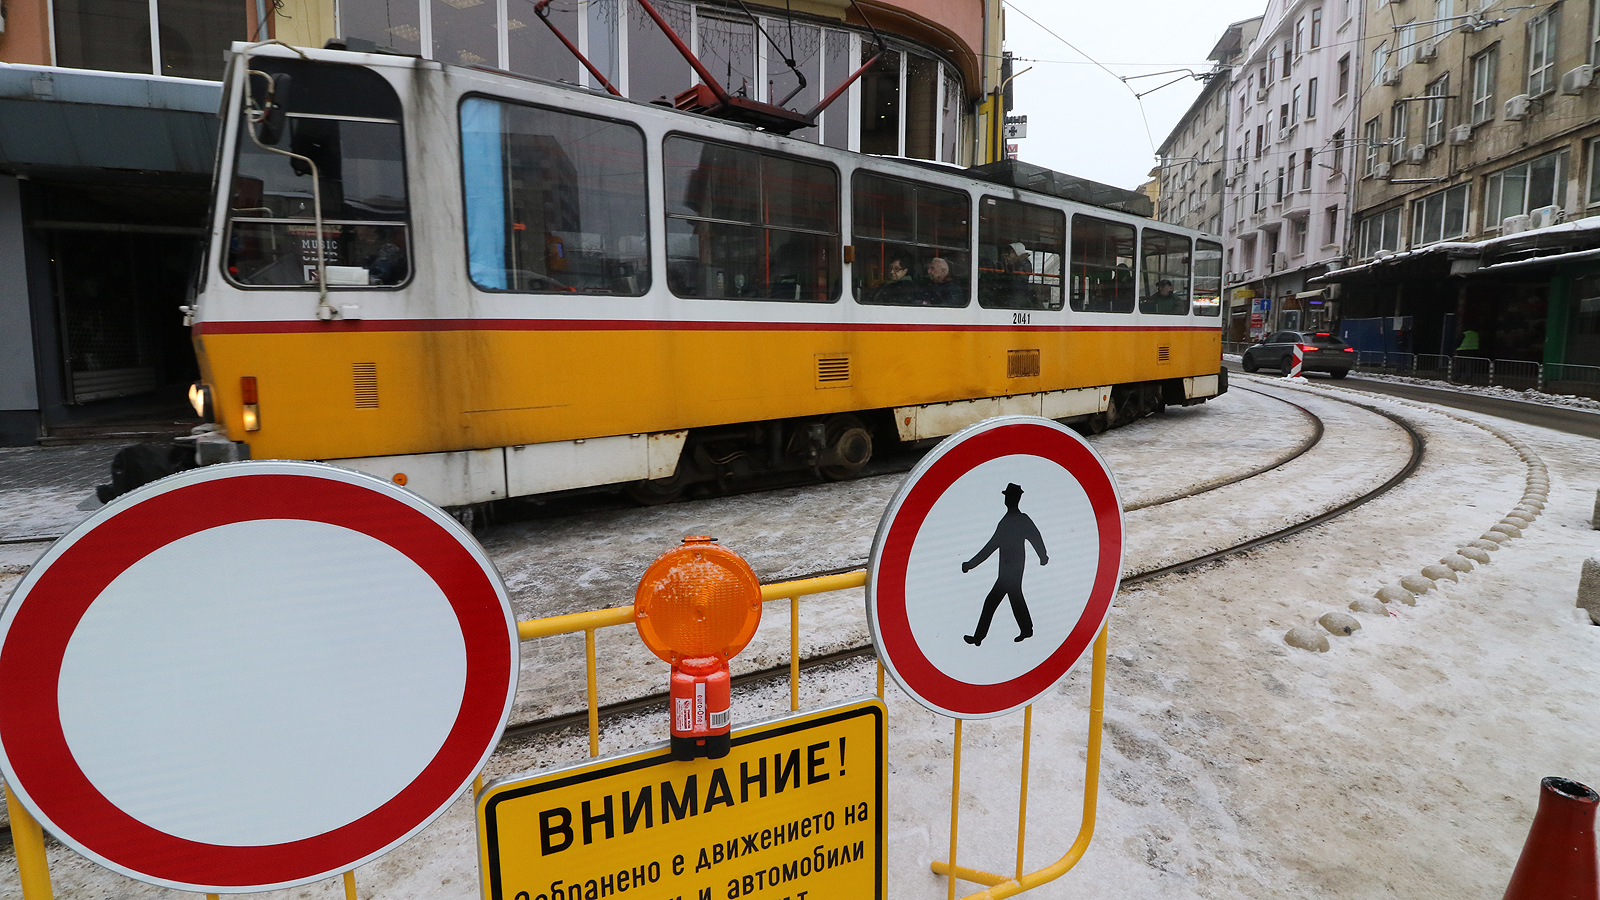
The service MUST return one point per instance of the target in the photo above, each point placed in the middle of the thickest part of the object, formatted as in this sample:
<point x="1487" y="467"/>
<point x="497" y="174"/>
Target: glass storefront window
<point x="727" y="49"/>
<point x="837" y="64"/>
<point x="656" y="71"/>
<point x="191" y="32"/>
<point x="950" y="114"/>
<point x="555" y="201"/>
<point x="803" y="44"/>
<point x="880" y="103"/>
<point x="464" y="32"/>
<point x="114" y="35"/>
<point x="533" y="49"/>
<point x="391" y="24"/>
<point x="922" y="107"/>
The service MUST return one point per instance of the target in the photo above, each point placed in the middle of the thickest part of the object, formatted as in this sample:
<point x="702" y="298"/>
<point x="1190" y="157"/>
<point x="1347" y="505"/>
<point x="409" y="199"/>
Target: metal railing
<point x="33" y="866"/>
<point x="1516" y="374"/>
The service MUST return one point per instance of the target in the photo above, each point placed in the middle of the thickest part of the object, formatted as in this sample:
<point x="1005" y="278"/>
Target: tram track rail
<point x="1418" y="447"/>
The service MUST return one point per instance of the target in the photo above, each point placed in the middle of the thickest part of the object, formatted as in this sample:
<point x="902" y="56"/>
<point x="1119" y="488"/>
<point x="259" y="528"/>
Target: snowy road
<point x="1405" y="762"/>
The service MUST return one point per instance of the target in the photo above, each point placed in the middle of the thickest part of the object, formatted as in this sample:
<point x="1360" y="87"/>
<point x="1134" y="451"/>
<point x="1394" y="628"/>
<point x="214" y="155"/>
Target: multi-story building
<point x="1292" y="121"/>
<point x="1479" y="129"/>
<point x="108" y="130"/>
<point x="1192" y="172"/>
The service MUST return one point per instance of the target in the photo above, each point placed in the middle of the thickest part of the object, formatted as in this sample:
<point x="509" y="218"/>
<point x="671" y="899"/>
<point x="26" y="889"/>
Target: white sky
<point x="1085" y="122"/>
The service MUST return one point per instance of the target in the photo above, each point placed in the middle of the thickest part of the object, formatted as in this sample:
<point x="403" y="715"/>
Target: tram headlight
<point x="251" y="401"/>
<point x="200" y="399"/>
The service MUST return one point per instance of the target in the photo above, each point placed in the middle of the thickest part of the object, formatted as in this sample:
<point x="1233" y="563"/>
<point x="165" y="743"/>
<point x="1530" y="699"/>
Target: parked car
<point x="1322" y="352"/>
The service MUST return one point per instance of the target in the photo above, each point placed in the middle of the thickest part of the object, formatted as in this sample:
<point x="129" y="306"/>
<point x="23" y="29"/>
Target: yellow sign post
<point x="795" y="809"/>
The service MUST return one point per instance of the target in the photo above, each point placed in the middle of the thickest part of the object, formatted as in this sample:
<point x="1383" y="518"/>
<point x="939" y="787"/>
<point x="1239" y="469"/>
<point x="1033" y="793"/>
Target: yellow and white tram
<point x="500" y="287"/>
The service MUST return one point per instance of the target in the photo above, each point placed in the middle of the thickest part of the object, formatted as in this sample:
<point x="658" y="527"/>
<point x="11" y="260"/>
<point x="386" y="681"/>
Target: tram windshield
<point x="343" y="122"/>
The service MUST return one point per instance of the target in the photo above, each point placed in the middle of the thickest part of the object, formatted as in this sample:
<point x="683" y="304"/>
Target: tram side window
<point x="748" y="225"/>
<point x="1207" y="278"/>
<point x="555" y="201"/>
<point x="1102" y="265"/>
<point x="1019" y="255"/>
<point x="343" y="122"/>
<point x="911" y="243"/>
<point x="1164" y="265"/>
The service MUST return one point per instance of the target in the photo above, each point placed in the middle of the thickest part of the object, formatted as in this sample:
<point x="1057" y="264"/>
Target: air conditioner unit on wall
<point x="1280" y="261"/>
<point x="1517" y="108"/>
<point x="1381" y="170"/>
<point x="1545" y="216"/>
<point x="1389" y="76"/>
<point x="1427" y="50"/>
<point x="1515" y="224"/>
<point x="1575" y="80"/>
<point x="1261" y="93"/>
<point x="1461" y="134"/>
<point x="1417" y="153"/>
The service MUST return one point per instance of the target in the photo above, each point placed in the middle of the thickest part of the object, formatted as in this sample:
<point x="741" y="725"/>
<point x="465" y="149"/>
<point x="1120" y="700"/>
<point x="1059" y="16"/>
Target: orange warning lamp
<point x="696" y="607"/>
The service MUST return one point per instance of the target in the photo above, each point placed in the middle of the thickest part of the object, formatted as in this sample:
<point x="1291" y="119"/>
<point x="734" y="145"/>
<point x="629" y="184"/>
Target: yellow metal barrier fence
<point x="33" y="869"/>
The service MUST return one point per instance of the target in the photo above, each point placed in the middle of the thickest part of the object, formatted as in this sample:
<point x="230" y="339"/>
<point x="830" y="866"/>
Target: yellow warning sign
<point x="794" y="811"/>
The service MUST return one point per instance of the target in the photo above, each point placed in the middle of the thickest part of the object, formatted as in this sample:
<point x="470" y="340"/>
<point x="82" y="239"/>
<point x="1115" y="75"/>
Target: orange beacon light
<point x="696" y="607"/>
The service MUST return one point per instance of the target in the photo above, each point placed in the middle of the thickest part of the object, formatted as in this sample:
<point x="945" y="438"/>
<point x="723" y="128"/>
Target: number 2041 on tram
<point x="486" y="286"/>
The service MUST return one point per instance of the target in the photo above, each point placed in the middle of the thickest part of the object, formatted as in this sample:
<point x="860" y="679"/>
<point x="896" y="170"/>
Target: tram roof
<point x="1018" y="174"/>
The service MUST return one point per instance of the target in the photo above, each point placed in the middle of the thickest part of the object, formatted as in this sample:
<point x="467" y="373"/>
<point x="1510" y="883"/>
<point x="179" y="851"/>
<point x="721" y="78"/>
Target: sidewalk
<point x="41" y="488"/>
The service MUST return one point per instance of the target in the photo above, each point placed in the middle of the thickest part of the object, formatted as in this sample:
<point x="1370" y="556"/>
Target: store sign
<point x="795" y="809"/>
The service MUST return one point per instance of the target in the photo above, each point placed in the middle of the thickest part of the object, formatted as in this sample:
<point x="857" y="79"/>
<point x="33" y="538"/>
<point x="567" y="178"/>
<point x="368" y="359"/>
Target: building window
<point x="1408" y="43"/>
<point x="1433" y="129"/>
<point x="1279" y="197"/>
<point x="1258" y="141"/>
<point x="1371" y="143"/>
<point x="115" y="35"/>
<point x="1290" y="183"/>
<point x="1344" y="77"/>
<point x="1439" y="216"/>
<point x="1542" y="52"/>
<point x="1338" y="153"/>
<point x="1330" y="226"/>
<point x="1316" y="28"/>
<point x="1283" y="118"/>
<point x="1299" y="39"/>
<point x="1515" y="190"/>
<point x="1398" y="126"/>
<point x="1380" y="59"/>
<point x="1379" y="232"/>
<point x="1483" y="74"/>
<point x="880" y="103"/>
<point x="1311" y="99"/>
<point x="1592" y="196"/>
<point x="1294" y="107"/>
<point x="1297" y="236"/>
<point x="1443" y="17"/>
<point x="1305" y="171"/>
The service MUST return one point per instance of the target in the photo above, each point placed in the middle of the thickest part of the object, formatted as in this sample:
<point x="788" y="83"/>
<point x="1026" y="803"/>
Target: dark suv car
<point x="1322" y="352"/>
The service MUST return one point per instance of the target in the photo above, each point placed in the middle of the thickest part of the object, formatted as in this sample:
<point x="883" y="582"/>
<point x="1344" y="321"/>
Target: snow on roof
<point x="1530" y="239"/>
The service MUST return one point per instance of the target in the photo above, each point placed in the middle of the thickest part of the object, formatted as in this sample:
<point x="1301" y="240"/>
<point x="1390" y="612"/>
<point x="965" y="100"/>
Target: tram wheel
<point x="848" y="451"/>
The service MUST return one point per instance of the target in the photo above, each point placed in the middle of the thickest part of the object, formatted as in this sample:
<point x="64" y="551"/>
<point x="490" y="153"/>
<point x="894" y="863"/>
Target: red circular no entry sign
<point x="253" y="676"/>
<point x="994" y="566"/>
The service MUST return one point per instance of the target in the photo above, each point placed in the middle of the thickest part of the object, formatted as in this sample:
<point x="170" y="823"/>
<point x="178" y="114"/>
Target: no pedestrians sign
<point x="994" y="566"/>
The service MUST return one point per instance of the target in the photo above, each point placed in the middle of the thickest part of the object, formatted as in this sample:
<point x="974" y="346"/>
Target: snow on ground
<point x="1405" y="762"/>
<point x="1504" y="393"/>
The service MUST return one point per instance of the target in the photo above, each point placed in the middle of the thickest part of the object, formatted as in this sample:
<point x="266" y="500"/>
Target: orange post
<point x="1558" y="860"/>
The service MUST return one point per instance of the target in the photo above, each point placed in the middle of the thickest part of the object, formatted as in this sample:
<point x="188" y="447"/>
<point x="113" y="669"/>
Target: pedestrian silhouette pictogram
<point x="1011" y="537"/>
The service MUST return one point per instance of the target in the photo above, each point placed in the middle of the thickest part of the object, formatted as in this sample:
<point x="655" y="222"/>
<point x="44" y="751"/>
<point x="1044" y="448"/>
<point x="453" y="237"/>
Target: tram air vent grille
<point x="833" y="371"/>
<point x="1163" y="354"/>
<point x="1022" y="363"/>
<point x="365" y="377"/>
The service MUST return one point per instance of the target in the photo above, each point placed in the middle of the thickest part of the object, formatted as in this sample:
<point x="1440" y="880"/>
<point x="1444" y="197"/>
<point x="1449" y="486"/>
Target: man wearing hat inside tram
<point x="1011" y="537"/>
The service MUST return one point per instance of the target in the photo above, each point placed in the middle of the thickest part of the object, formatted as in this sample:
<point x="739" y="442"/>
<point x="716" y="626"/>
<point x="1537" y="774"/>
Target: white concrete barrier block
<point x="1589" y="588"/>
